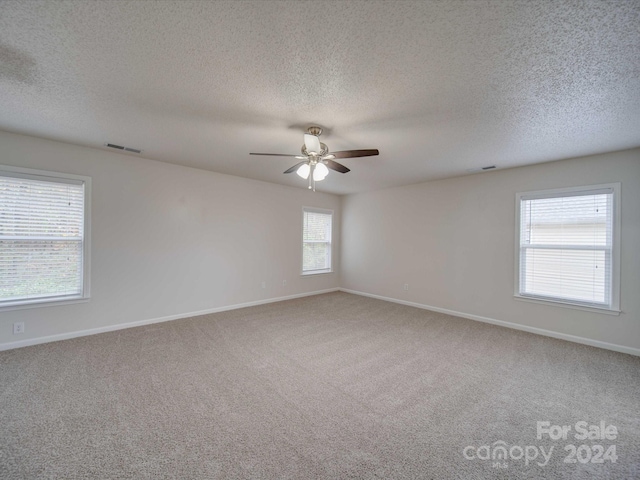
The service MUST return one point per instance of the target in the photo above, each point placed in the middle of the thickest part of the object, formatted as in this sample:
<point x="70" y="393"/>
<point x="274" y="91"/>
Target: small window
<point x="316" y="241"/>
<point x="567" y="246"/>
<point x="43" y="237"/>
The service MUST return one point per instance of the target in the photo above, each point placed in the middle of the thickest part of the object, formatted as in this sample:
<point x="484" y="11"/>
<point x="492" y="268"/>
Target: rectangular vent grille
<point x="481" y="169"/>
<point x="120" y="147"/>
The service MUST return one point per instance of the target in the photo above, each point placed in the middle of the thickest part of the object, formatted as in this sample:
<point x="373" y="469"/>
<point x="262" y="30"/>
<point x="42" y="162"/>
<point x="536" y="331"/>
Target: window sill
<point x="43" y="303"/>
<point x="315" y="272"/>
<point x="574" y="306"/>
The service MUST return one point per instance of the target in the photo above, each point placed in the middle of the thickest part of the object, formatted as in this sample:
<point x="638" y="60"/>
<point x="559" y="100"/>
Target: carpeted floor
<point x="331" y="386"/>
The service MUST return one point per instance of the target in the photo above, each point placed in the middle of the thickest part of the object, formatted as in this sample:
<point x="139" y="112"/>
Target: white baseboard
<point x="502" y="323"/>
<point x="120" y="326"/>
<point x="516" y="326"/>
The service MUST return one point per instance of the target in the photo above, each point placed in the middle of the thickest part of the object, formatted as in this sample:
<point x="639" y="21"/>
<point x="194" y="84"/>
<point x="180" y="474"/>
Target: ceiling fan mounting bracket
<point x="314" y="130"/>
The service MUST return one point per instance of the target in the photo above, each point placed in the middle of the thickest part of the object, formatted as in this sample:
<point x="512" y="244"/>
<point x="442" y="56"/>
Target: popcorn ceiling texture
<point x="438" y="87"/>
<point x="333" y="386"/>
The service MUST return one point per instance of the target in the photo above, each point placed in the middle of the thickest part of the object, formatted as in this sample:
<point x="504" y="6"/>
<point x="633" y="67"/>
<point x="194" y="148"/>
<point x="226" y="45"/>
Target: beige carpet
<point x="332" y="386"/>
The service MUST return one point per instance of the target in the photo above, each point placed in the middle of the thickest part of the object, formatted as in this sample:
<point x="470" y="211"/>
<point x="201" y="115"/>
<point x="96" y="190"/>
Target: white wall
<point x="453" y="242"/>
<point x="170" y="240"/>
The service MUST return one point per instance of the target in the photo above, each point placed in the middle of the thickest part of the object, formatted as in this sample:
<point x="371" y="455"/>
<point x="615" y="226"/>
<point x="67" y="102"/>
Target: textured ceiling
<point x="437" y="87"/>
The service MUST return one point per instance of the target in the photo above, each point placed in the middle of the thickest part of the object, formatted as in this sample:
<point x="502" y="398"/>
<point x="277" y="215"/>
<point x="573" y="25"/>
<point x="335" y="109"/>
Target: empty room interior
<point x="261" y="239"/>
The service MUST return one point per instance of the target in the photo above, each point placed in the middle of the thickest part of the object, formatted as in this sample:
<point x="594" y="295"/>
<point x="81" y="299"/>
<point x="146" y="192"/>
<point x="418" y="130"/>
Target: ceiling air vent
<point x="120" y="147"/>
<point x="482" y="169"/>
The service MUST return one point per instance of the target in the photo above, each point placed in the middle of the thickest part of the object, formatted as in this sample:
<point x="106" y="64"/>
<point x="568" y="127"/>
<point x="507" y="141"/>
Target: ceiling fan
<point x="316" y="159"/>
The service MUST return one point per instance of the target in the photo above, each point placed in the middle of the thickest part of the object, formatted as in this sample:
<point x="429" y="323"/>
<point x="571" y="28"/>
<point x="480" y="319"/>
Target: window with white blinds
<point x="42" y="237"/>
<point x="568" y="246"/>
<point x="316" y="241"/>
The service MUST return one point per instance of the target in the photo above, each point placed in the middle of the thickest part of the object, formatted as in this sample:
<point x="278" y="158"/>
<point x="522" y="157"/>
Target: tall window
<point x="568" y="246"/>
<point x="316" y="241"/>
<point x="43" y="237"/>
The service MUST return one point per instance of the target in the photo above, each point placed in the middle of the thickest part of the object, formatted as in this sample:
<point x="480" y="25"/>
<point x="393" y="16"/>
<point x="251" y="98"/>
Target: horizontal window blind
<point x="566" y="247"/>
<point x="41" y="238"/>
<point x="316" y="241"/>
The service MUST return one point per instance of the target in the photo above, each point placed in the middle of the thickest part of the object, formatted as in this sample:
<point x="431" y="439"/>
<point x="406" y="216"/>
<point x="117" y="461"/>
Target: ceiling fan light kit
<point x="303" y="170"/>
<point x="316" y="159"/>
<point x="320" y="172"/>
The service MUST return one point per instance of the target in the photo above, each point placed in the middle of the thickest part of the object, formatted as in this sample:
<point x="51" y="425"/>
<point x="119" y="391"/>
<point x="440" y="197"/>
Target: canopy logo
<point x="500" y="452"/>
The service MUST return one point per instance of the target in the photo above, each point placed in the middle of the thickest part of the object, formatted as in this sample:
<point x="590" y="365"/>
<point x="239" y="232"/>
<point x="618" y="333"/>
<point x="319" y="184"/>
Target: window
<point x="568" y="246"/>
<point x="316" y="241"/>
<point x="44" y="245"/>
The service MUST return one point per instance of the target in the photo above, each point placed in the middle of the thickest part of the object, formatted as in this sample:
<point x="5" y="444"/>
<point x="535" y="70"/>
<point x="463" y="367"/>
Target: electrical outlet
<point x="284" y="283"/>
<point x="18" y="328"/>
<point x="264" y="284"/>
<point x="406" y="286"/>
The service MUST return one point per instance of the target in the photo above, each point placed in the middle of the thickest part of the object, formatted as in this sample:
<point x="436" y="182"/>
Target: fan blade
<point x="274" y="154"/>
<point x="295" y="167"/>
<point x="355" y="153"/>
<point x="312" y="143"/>
<point x="338" y="167"/>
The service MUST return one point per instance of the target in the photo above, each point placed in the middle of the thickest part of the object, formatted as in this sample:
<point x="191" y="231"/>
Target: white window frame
<point x="29" y="173"/>
<point x="324" y="270"/>
<point x="614" y="308"/>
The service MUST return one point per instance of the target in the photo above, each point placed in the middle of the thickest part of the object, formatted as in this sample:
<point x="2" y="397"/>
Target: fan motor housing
<point x="322" y="153"/>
